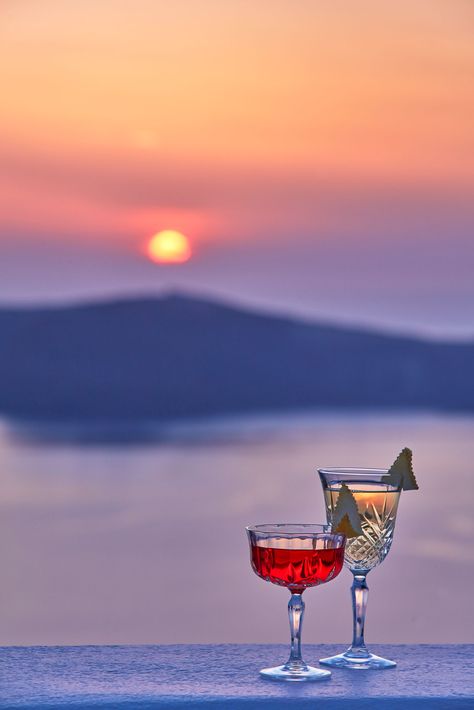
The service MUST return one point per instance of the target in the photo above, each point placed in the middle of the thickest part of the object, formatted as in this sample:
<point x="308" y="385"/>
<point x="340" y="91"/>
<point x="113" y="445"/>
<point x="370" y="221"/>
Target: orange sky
<point x="247" y="125"/>
<point x="124" y="114"/>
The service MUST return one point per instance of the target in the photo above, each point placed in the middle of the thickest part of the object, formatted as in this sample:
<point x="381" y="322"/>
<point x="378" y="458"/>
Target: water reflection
<point x="144" y="543"/>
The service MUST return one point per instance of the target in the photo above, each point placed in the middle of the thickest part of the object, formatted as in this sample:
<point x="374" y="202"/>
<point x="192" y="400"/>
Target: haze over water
<point x="145" y="543"/>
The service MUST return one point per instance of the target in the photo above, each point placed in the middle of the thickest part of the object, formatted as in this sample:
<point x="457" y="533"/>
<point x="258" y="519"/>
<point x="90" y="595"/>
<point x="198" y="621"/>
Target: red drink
<point x="297" y="568"/>
<point x="296" y="556"/>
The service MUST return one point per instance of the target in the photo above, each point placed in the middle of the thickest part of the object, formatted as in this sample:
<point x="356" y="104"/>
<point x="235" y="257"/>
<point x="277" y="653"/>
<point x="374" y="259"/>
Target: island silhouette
<point x="175" y="356"/>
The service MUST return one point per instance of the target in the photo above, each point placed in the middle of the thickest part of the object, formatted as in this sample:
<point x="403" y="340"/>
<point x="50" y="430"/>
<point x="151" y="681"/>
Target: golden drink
<point x="377" y="504"/>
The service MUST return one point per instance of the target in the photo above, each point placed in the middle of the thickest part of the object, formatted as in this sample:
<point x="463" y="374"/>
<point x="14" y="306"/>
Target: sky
<point x="319" y="156"/>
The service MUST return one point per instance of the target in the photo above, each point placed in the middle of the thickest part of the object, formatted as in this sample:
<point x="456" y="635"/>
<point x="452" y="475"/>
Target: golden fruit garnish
<point x="345" y="527"/>
<point x="400" y="474"/>
<point x="345" y="518"/>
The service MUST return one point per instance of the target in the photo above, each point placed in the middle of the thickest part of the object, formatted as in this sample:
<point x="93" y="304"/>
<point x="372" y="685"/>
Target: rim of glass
<point x="313" y="529"/>
<point x="355" y="471"/>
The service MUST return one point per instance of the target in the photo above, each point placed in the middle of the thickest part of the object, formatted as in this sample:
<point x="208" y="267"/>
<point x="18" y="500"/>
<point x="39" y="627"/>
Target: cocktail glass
<point x="377" y="503"/>
<point x="296" y="557"/>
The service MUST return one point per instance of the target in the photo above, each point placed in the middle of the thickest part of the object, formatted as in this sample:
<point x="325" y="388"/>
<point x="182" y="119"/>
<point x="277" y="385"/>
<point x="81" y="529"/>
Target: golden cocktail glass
<point x="377" y="504"/>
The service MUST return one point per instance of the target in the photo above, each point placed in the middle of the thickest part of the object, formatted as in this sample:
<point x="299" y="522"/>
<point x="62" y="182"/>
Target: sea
<point x="131" y="537"/>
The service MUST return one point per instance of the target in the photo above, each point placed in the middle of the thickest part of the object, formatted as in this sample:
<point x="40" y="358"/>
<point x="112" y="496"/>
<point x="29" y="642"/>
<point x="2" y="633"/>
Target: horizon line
<point x="184" y="294"/>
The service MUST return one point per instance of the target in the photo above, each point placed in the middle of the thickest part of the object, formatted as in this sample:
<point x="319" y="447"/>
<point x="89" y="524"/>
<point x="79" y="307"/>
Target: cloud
<point x="244" y="201"/>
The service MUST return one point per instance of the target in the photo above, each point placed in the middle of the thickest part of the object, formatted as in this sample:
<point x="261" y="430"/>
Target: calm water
<point x="110" y="543"/>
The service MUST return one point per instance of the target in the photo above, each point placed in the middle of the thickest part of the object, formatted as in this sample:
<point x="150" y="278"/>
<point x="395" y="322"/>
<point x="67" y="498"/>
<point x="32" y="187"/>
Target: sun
<point x="169" y="247"/>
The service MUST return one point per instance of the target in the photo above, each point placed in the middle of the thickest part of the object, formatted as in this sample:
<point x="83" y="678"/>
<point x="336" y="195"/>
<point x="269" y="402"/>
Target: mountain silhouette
<point x="177" y="356"/>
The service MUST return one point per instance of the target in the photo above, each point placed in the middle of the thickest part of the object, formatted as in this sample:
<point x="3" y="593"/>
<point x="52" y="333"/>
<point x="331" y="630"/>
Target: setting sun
<point x="169" y="247"/>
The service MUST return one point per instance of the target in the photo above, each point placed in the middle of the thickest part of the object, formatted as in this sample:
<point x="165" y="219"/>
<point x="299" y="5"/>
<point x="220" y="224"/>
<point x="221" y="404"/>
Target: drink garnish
<point x="345" y="518"/>
<point x="401" y="474"/>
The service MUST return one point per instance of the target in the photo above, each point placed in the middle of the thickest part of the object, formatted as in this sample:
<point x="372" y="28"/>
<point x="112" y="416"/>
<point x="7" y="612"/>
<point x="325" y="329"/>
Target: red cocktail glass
<point x="295" y="556"/>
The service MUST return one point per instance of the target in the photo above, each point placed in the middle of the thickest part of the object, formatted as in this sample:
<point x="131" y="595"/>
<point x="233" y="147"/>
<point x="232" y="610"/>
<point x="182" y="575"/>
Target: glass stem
<point x="360" y="594"/>
<point x="295" y="613"/>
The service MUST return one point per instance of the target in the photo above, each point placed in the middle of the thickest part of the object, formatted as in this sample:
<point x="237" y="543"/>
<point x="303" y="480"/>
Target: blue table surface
<point x="215" y="676"/>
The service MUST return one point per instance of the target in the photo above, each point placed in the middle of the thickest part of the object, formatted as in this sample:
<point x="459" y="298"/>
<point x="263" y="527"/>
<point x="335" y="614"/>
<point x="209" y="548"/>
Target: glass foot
<point x="300" y="673"/>
<point x="358" y="661"/>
